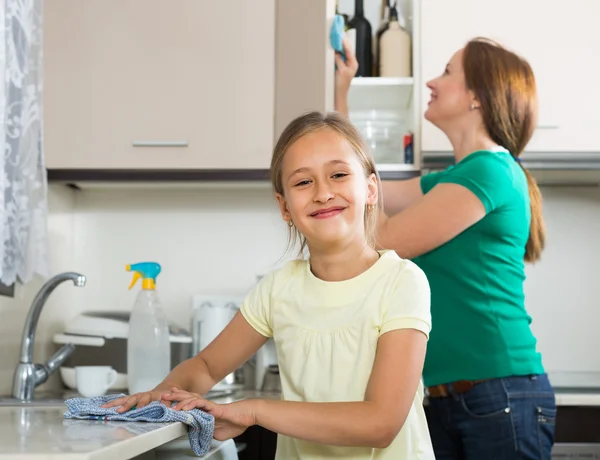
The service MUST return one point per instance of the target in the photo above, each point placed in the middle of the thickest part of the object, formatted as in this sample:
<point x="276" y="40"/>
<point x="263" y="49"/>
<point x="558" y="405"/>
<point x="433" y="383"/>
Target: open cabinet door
<point x="305" y="63"/>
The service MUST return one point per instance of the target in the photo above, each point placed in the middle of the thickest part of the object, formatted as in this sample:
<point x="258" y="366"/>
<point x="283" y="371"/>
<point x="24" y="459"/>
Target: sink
<point x="40" y="399"/>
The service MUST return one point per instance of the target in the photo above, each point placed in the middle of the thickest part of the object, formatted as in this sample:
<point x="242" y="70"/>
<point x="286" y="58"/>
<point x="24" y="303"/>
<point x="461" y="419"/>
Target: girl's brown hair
<point x="504" y="85"/>
<point x="312" y="122"/>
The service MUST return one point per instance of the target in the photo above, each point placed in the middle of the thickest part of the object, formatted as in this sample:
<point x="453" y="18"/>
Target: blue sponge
<point x="337" y="34"/>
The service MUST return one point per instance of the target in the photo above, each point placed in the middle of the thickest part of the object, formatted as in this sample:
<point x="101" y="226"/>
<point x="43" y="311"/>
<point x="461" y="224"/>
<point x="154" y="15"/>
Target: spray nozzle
<point x="148" y="271"/>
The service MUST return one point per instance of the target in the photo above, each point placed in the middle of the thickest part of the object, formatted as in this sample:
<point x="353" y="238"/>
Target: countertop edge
<point x="140" y="444"/>
<point x="577" y="399"/>
<point x="563" y="398"/>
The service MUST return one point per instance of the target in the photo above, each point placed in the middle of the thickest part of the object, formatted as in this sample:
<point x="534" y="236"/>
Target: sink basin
<point x="41" y="399"/>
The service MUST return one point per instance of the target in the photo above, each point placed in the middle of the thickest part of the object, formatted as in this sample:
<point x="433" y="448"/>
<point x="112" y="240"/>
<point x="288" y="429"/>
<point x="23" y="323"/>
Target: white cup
<point x="94" y="380"/>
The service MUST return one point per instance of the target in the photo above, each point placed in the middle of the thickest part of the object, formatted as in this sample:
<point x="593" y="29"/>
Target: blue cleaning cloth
<point x="336" y="34"/>
<point x="201" y="425"/>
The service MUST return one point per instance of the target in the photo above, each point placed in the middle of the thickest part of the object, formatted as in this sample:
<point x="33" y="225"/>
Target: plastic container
<point x="148" y="345"/>
<point x="383" y="131"/>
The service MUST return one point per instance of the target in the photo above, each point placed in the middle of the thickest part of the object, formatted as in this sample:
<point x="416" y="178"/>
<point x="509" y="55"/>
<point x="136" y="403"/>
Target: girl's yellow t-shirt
<point x="326" y="337"/>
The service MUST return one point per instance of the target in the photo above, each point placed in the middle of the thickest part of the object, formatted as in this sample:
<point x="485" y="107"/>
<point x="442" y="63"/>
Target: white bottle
<point x="148" y="344"/>
<point x="395" y="47"/>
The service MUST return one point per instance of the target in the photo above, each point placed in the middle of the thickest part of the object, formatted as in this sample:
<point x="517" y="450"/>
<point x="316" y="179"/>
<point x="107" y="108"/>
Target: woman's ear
<point x="474" y="102"/>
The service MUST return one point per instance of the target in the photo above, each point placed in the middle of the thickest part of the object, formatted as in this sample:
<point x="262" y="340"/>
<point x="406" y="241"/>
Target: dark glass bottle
<point x="364" y="47"/>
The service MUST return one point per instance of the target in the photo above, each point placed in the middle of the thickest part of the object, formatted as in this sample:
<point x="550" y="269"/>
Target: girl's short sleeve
<point x="256" y="308"/>
<point x="409" y="305"/>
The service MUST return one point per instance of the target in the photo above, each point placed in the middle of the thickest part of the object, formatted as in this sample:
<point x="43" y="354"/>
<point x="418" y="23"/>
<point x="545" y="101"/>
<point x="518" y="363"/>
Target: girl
<point x="471" y="228"/>
<point x="350" y="324"/>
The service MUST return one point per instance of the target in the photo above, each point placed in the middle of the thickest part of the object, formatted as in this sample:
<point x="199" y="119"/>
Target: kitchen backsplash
<point x="563" y="290"/>
<point x="13" y="311"/>
<point x="220" y="239"/>
<point x="205" y="240"/>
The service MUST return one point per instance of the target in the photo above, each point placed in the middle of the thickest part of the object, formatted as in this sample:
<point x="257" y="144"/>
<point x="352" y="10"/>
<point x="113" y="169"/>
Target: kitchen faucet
<point x="28" y="375"/>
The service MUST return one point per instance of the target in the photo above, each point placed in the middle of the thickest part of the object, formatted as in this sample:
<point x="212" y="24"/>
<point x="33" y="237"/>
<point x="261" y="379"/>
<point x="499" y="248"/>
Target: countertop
<point x="576" y="388"/>
<point x="36" y="433"/>
<point x="41" y="433"/>
<point x="577" y="397"/>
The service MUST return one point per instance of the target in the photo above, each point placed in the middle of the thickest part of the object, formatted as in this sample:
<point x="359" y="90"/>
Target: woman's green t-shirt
<point x="480" y="328"/>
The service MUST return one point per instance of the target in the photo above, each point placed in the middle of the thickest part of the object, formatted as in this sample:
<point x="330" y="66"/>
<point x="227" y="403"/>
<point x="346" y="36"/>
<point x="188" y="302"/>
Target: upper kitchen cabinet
<point x="159" y="85"/>
<point x="386" y="109"/>
<point x="559" y="39"/>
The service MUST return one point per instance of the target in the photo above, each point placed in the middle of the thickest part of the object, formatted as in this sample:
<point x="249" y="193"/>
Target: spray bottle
<point x="148" y="345"/>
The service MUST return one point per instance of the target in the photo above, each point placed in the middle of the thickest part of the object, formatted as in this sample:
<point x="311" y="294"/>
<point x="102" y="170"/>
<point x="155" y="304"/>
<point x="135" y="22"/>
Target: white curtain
<point x="23" y="186"/>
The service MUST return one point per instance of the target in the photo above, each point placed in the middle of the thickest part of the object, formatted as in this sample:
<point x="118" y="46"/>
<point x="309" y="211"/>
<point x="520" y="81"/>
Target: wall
<point x="214" y="240"/>
<point x="563" y="289"/>
<point x="13" y="311"/>
<point x="205" y="240"/>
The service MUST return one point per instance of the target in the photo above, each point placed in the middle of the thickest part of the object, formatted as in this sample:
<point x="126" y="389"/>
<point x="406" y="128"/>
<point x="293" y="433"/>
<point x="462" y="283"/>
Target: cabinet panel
<point x="560" y="42"/>
<point x="140" y="84"/>
<point x="305" y="59"/>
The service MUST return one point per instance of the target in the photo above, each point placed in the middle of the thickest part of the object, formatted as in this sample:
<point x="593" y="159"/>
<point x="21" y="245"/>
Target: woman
<point x="470" y="228"/>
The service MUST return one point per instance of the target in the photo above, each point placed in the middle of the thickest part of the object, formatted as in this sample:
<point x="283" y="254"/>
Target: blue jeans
<point x="499" y="419"/>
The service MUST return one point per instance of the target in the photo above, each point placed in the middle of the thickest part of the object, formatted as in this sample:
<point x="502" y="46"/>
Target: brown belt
<point x="446" y="389"/>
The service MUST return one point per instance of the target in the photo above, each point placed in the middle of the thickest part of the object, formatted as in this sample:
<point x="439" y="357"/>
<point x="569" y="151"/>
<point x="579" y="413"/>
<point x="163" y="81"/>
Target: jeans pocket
<point x="546" y="422"/>
<point x="484" y="408"/>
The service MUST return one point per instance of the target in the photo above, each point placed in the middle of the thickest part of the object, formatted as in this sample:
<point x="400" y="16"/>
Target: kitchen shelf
<point x="389" y="94"/>
<point x="383" y="111"/>
<point x="382" y="81"/>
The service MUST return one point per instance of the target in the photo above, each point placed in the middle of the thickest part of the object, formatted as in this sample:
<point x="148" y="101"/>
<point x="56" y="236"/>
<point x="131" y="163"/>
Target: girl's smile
<point x="327" y="212"/>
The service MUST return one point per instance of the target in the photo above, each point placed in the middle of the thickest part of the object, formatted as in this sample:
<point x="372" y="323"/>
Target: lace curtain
<point x="23" y="186"/>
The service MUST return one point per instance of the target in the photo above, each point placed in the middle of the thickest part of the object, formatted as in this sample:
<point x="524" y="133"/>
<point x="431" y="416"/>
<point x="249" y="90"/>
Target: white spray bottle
<point x="148" y="345"/>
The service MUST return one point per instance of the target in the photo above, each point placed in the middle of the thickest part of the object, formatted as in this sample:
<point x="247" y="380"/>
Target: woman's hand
<point x="344" y="74"/>
<point x="231" y="420"/>
<point x="137" y="399"/>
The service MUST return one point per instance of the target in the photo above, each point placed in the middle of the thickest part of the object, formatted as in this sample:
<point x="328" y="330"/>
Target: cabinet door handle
<point x="160" y="143"/>
<point x="547" y="127"/>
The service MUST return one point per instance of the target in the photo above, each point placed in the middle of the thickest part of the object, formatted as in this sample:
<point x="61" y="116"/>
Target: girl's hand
<point x="231" y="420"/>
<point x="137" y="399"/>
